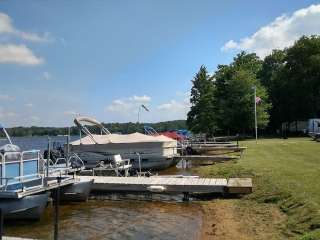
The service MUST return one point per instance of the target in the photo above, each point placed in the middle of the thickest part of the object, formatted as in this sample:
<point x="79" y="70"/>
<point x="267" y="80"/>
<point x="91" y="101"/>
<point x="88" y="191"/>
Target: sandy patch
<point x="232" y="219"/>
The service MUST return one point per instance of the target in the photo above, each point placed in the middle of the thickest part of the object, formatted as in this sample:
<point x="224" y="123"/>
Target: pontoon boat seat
<point x="121" y="164"/>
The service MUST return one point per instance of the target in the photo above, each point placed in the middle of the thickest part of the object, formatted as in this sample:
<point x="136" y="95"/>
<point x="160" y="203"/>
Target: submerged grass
<point x="285" y="173"/>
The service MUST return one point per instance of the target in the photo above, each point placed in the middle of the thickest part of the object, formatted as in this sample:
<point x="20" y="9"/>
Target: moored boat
<point x="151" y="152"/>
<point x="29" y="207"/>
<point x="20" y="174"/>
<point x="77" y="192"/>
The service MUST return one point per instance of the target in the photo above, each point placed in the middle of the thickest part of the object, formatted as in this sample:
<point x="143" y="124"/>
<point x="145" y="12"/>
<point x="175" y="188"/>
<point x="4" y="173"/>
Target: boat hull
<point x="148" y="162"/>
<point x="77" y="192"/>
<point x="27" y="208"/>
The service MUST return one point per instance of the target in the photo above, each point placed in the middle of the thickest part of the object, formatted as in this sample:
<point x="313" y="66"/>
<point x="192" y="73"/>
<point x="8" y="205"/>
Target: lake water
<point x="112" y="219"/>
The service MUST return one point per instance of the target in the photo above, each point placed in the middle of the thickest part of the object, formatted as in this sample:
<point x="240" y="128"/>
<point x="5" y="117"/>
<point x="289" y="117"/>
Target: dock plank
<point x="170" y="184"/>
<point x="240" y="185"/>
<point x="207" y="181"/>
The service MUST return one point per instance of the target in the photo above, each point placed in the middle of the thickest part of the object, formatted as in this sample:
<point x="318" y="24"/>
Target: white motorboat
<point x="149" y="152"/>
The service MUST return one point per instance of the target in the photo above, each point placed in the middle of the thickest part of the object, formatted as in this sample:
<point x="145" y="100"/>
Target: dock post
<point x="56" y="211"/>
<point x="68" y="147"/>
<point x="1" y="223"/>
<point x="185" y="197"/>
<point x="237" y="140"/>
<point x="48" y="157"/>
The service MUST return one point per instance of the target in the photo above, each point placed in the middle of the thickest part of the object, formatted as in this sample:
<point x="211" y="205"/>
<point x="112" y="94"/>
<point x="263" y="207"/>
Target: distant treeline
<point x="112" y="127"/>
<point x="287" y="84"/>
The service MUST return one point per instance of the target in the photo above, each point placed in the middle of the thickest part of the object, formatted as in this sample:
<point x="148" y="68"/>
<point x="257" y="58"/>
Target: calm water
<point x="38" y="143"/>
<point x="109" y="219"/>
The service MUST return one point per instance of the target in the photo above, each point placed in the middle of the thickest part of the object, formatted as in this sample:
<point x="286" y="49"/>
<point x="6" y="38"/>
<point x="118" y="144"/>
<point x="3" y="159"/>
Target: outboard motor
<point x="55" y="153"/>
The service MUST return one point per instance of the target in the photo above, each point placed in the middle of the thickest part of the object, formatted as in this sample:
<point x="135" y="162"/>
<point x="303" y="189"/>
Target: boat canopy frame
<point x="5" y="133"/>
<point x="150" y="131"/>
<point x="83" y="122"/>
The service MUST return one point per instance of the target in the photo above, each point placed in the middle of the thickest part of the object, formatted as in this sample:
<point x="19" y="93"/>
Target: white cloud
<point x="6" y="97"/>
<point x="6" y="27"/>
<point x="34" y="119"/>
<point x="174" y="105"/>
<point x="174" y="109"/>
<point x="280" y="33"/>
<point x="142" y="99"/>
<point x="5" y="24"/>
<point x="29" y="105"/>
<point x="70" y="112"/>
<point x="18" y="54"/>
<point x="229" y="45"/>
<point x="128" y="105"/>
<point x="32" y="37"/>
<point x="46" y="76"/>
<point x="14" y="53"/>
<point x="4" y="115"/>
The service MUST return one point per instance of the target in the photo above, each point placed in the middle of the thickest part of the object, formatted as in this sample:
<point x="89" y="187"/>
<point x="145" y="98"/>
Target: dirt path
<point x="241" y="220"/>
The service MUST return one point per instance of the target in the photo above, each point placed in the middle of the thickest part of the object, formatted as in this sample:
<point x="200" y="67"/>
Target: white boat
<point x="19" y="172"/>
<point x="149" y="152"/>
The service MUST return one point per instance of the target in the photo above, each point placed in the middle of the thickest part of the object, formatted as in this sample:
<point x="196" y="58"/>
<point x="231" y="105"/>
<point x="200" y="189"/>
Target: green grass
<point x="286" y="173"/>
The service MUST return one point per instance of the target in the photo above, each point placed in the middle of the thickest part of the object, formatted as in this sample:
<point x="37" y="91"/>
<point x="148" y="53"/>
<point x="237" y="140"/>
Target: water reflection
<point x="117" y="220"/>
<point x="109" y="219"/>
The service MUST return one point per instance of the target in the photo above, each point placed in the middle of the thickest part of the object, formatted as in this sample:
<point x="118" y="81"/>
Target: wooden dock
<point x="219" y="148"/>
<point x="15" y="238"/>
<point x="207" y="158"/>
<point x="170" y="184"/>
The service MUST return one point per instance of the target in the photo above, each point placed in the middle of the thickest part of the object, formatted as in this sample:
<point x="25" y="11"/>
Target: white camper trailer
<point x="314" y="128"/>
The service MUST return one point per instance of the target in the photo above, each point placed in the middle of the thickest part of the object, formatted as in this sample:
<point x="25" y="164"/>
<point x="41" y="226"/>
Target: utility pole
<point x="139" y="113"/>
<point x="48" y="156"/>
<point x="255" y="112"/>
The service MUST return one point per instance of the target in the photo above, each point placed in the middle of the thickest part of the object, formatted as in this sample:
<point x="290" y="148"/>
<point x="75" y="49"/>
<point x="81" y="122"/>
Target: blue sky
<point x="105" y="58"/>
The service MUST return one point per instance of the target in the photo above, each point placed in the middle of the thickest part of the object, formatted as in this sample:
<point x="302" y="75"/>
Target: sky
<point x="60" y="59"/>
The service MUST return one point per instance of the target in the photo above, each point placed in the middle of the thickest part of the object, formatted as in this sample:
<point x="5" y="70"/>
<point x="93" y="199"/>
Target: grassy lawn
<point x="285" y="173"/>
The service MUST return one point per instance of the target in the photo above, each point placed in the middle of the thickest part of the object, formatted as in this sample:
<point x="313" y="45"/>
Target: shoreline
<point x="227" y="219"/>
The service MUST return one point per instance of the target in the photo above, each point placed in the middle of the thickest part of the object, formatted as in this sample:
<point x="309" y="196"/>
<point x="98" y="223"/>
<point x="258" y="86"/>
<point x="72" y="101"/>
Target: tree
<point x="234" y="94"/>
<point x="292" y="78"/>
<point x="272" y="77"/>
<point x="302" y="70"/>
<point x="201" y="118"/>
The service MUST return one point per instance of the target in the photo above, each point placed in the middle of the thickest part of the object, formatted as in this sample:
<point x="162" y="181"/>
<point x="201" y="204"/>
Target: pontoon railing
<point x="21" y="180"/>
<point x="19" y="158"/>
<point x="61" y="165"/>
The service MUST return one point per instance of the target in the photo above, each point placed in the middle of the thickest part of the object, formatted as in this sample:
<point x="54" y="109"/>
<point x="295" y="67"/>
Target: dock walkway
<point x="170" y="184"/>
<point x="212" y="158"/>
<point x="48" y="185"/>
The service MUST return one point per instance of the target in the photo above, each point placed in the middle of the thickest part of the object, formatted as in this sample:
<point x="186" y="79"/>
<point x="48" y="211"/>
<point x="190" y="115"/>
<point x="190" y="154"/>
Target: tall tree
<point x="234" y="102"/>
<point x="302" y="70"/>
<point x="201" y="118"/>
<point x="292" y="78"/>
<point x="272" y="77"/>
